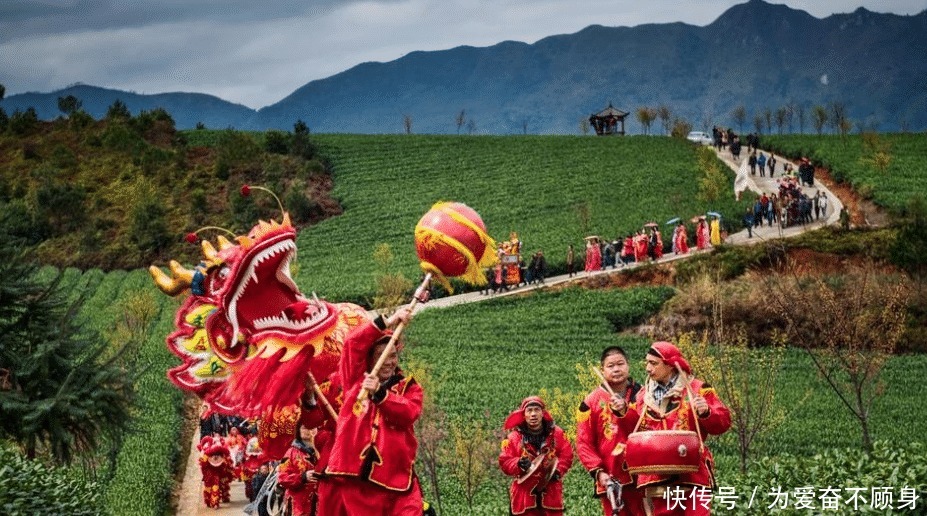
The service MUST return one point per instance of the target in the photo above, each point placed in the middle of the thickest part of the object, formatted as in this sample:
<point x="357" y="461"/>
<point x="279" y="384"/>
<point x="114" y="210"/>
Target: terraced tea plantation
<point x="855" y="159"/>
<point x="538" y="186"/>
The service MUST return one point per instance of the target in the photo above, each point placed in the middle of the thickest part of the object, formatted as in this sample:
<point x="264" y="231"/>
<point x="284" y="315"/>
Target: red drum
<point x="663" y="452"/>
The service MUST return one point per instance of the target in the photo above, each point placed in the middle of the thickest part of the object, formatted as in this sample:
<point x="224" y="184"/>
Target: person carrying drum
<point x="602" y="428"/>
<point x="537" y="454"/>
<point x="675" y="404"/>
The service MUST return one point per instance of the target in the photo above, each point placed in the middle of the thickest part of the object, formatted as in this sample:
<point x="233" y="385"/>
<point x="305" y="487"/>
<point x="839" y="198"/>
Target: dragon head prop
<point x="245" y="332"/>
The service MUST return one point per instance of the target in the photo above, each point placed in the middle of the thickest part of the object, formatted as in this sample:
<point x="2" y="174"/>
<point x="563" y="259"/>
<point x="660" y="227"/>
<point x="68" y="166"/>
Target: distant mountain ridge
<point x="756" y="54"/>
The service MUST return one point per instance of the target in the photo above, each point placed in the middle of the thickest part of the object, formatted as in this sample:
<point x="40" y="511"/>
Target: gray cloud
<point x="257" y="53"/>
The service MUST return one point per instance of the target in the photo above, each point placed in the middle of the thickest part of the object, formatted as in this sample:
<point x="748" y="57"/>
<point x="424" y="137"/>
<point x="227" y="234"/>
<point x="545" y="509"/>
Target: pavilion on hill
<point x="606" y="122"/>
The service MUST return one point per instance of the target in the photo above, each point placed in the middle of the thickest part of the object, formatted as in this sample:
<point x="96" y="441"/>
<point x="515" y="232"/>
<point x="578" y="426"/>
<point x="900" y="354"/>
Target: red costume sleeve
<point x="564" y="452"/>
<point x="718" y="419"/>
<point x="586" y="442"/>
<point x="402" y="410"/>
<point x="290" y="472"/>
<point x="353" y="362"/>
<point x="510" y="454"/>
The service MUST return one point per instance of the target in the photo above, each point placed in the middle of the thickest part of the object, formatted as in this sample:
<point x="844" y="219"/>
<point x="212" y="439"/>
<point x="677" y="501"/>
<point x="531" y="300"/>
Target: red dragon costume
<point x="246" y="334"/>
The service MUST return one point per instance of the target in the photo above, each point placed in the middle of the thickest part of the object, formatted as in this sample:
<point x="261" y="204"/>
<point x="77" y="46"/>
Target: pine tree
<point x="59" y="396"/>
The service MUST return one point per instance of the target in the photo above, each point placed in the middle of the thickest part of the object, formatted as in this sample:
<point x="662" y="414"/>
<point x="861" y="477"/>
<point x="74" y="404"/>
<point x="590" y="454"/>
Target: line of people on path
<point x="647" y="244"/>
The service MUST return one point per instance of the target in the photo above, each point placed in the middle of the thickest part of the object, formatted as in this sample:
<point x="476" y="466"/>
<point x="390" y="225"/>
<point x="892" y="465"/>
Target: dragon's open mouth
<point x="264" y="295"/>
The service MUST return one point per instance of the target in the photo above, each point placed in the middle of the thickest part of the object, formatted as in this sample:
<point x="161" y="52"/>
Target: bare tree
<point x="819" y="118"/>
<point x="739" y="115"/>
<point x="460" y="119"/>
<point x="790" y="114"/>
<point x="646" y="116"/>
<point x="849" y="326"/>
<point x="800" y="111"/>
<point x="758" y="123"/>
<point x="745" y="376"/>
<point x="838" y="117"/>
<point x="767" y="117"/>
<point x="877" y="152"/>
<point x="431" y="430"/>
<point x="584" y="126"/>
<point x="780" y="116"/>
<point x="471" y="126"/>
<point x="407" y="123"/>
<point x="524" y="126"/>
<point x="475" y="452"/>
<point x="665" y="118"/>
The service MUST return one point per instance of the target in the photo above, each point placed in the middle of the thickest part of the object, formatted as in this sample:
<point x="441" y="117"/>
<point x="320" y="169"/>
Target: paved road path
<point x="760" y="234"/>
<point x="191" y="501"/>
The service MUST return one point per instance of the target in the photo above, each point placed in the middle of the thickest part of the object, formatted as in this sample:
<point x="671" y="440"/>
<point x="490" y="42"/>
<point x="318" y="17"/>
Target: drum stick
<point x="608" y="388"/>
<point x="698" y="428"/>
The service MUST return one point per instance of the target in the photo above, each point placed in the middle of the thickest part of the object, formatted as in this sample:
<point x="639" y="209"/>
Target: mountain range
<point x="756" y="54"/>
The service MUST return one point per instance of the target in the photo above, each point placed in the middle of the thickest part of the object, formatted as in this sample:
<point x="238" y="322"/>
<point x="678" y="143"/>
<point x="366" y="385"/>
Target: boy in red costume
<point x="538" y="454"/>
<point x="602" y="428"/>
<point x="216" y="467"/>
<point x="369" y="471"/>
<point x="665" y="405"/>
<point x="297" y="473"/>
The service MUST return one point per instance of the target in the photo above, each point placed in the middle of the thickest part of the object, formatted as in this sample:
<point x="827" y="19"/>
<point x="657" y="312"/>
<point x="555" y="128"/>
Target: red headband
<point x="671" y="355"/>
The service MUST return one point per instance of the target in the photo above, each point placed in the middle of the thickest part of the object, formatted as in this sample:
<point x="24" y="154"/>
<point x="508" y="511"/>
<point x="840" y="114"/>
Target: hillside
<point x="188" y="109"/>
<point x="756" y="54"/>
<point x="122" y="191"/>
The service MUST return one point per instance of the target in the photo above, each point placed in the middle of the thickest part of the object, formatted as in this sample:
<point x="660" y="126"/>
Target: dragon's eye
<point x="217" y="280"/>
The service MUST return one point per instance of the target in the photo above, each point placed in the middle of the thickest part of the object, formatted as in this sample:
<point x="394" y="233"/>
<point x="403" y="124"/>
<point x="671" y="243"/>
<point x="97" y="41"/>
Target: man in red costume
<point x="216" y="467"/>
<point x="297" y="473"/>
<point x="665" y="405"/>
<point x="602" y="428"/>
<point x="538" y="454"/>
<point x="369" y="471"/>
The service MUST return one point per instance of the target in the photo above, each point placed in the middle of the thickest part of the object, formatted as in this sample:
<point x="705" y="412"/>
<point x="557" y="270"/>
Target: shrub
<point x="24" y="122"/>
<point x="890" y="465"/>
<point x="29" y="487"/>
<point x="276" y="142"/>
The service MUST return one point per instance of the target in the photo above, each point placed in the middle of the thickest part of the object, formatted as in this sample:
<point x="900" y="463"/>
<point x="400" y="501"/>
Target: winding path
<point x="190" y="499"/>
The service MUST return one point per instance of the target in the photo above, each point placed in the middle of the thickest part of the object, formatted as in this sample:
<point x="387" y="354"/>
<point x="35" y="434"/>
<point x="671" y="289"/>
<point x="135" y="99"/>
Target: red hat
<point x="212" y="446"/>
<point x="517" y="417"/>
<point x="670" y="354"/>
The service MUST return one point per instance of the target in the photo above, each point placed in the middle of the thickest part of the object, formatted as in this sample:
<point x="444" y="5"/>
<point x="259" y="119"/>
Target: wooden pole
<point x="364" y="394"/>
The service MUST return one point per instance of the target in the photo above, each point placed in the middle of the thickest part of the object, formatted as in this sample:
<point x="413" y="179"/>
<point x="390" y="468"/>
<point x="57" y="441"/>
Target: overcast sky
<point x="255" y="53"/>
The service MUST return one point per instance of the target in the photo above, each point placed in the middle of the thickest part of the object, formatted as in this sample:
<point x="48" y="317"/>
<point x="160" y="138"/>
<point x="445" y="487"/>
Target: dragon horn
<point x="209" y="252"/>
<point x="175" y="284"/>
<point x="224" y="243"/>
<point x="286" y="219"/>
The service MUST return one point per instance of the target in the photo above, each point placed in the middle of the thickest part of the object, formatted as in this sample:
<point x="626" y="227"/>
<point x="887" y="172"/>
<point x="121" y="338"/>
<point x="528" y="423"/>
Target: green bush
<point x="892" y="465"/>
<point x="29" y="487"/>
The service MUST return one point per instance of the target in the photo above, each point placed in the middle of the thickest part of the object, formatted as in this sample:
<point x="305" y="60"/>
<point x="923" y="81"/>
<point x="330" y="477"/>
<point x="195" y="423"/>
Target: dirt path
<point x="190" y="497"/>
<point x="190" y="500"/>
